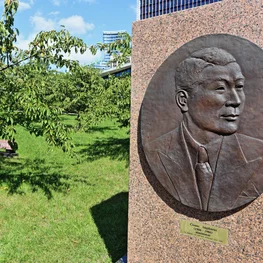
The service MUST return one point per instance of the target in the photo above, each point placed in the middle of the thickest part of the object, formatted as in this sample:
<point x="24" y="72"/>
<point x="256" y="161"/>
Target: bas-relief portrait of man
<point x="205" y="162"/>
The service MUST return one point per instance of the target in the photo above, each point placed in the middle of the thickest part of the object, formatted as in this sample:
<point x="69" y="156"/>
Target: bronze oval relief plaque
<point x="202" y="123"/>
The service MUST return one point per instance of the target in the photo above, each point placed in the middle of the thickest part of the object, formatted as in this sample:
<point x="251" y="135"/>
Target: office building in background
<point x="151" y="8"/>
<point x="108" y="37"/>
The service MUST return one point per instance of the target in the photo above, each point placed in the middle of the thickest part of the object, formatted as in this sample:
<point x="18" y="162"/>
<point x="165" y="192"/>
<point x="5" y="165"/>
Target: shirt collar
<point x="212" y="148"/>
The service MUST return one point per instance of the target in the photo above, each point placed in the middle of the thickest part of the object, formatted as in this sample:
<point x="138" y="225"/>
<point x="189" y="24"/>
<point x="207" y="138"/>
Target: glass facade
<point x="108" y="37"/>
<point x="151" y="8"/>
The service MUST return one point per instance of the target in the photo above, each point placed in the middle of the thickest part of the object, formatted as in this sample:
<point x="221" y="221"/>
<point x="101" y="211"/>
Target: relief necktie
<point x="204" y="176"/>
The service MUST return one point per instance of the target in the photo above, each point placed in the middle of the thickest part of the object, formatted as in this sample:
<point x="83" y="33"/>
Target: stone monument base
<point x="155" y="218"/>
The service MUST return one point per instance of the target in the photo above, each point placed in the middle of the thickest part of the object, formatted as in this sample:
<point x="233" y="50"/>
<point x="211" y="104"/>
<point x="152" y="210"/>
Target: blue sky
<point x="86" y="19"/>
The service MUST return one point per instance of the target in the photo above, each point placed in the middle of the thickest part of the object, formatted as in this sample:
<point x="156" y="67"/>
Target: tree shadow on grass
<point x="111" y="218"/>
<point x="114" y="148"/>
<point x="100" y="129"/>
<point x="35" y="173"/>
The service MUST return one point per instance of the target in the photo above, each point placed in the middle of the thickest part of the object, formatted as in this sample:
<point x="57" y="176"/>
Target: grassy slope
<point x="65" y="210"/>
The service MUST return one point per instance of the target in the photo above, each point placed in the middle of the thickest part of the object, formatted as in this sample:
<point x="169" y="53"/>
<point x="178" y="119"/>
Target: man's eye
<point x="220" y="89"/>
<point x="239" y="87"/>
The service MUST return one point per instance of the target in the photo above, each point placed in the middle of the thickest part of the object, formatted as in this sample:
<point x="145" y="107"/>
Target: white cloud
<point x="88" y="1"/>
<point x="39" y="24"/>
<point x="86" y="58"/>
<point x="54" y="13"/>
<point x="56" y="2"/>
<point x="42" y="24"/>
<point x="76" y="25"/>
<point x="23" y="42"/>
<point x="23" y="6"/>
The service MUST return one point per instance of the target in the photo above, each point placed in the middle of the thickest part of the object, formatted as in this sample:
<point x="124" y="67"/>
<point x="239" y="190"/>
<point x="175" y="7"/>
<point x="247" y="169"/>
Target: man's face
<point x="216" y="104"/>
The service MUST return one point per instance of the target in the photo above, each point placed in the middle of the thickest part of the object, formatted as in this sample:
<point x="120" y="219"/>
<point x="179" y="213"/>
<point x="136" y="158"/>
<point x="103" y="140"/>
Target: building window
<point x="150" y="8"/>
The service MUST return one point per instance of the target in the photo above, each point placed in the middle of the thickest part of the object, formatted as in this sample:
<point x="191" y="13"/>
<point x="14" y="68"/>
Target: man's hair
<point x="189" y="71"/>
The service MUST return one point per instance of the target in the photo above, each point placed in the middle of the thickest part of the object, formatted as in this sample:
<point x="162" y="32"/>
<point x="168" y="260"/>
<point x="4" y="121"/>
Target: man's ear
<point x="181" y="100"/>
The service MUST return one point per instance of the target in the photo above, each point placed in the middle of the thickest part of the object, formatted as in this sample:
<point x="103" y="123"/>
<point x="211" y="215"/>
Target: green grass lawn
<point x="55" y="208"/>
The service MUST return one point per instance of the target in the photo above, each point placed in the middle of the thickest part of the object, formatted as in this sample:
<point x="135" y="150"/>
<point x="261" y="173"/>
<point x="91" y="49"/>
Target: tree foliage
<point x="79" y="92"/>
<point x="85" y="93"/>
<point x="117" y="98"/>
<point x="110" y="101"/>
<point x="23" y="76"/>
<point x="34" y="96"/>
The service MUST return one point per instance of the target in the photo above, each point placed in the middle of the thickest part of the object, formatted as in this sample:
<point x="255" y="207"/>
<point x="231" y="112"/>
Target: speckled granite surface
<point x="154" y="216"/>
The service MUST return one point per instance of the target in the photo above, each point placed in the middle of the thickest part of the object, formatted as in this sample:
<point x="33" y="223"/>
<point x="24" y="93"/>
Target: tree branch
<point x="16" y="63"/>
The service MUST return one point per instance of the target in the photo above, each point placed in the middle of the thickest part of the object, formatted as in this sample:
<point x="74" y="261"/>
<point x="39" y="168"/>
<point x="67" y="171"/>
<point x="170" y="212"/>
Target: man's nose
<point x="234" y="99"/>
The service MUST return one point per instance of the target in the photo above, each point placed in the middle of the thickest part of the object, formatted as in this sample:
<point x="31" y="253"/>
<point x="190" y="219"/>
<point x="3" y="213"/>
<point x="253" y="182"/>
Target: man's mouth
<point x="230" y="117"/>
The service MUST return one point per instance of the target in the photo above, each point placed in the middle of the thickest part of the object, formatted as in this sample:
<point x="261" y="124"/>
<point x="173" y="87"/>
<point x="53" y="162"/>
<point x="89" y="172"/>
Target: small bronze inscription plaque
<point x="203" y="231"/>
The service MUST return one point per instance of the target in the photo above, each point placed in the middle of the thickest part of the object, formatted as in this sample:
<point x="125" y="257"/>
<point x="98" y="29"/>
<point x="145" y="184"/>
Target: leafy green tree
<point x="24" y="76"/>
<point x="79" y="92"/>
<point x="33" y="96"/>
<point x="117" y="98"/>
<point x="115" y="101"/>
<point x="85" y="93"/>
<point x="110" y="101"/>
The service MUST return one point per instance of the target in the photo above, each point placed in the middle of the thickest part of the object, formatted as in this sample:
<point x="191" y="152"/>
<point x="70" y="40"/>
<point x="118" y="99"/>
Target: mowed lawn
<point x="55" y="208"/>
